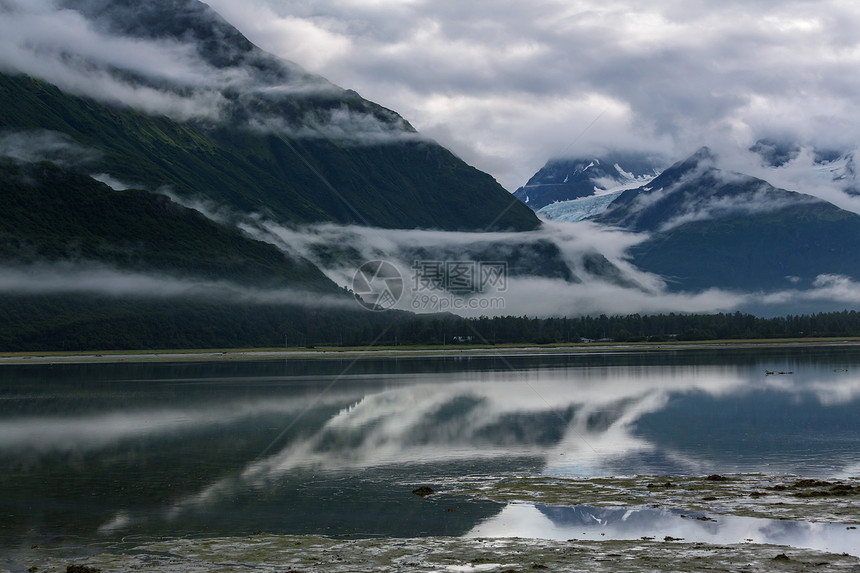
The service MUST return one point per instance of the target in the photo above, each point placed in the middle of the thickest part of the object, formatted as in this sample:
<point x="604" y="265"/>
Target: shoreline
<point x="143" y="356"/>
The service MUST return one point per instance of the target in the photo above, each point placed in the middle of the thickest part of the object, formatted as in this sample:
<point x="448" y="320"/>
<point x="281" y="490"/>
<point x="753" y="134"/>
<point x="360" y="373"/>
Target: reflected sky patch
<point x="595" y="523"/>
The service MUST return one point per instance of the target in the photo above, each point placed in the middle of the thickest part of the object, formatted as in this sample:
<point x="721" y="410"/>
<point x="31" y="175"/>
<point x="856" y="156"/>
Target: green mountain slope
<point x="404" y="184"/>
<point x="51" y="215"/>
<point x="249" y="130"/>
<point x="188" y="107"/>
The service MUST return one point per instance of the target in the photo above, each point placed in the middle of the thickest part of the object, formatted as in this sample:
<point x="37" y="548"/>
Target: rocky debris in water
<point x="716" y="477"/>
<point x="812" y="483"/>
<point x="423" y="491"/>
<point x="665" y="485"/>
<point x="817" y="488"/>
<point x="81" y="569"/>
<point x="782" y="557"/>
<point x="844" y="489"/>
<point x="821" y="488"/>
<point x="775" y="497"/>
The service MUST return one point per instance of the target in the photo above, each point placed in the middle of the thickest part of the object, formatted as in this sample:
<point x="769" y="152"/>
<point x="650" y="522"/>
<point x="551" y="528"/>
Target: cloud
<point x="113" y="182"/>
<point x="99" y="279"/>
<point x="616" y="287"/>
<point x="603" y="281"/>
<point x="459" y="418"/>
<point x="64" y="48"/>
<point x="45" y="145"/>
<point x="508" y="85"/>
<point x="177" y="76"/>
<point x="589" y="417"/>
<point x="803" y="173"/>
<point x="305" y="40"/>
<point x="343" y="125"/>
<point x="826" y="287"/>
<point x="709" y="204"/>
<point x="92" y="432"/>
<point x="625" y="290"/>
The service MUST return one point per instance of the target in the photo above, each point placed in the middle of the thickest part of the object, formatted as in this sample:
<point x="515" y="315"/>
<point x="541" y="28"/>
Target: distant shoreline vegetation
<point x="410" y="351"/>
<point x="90" y="323"/>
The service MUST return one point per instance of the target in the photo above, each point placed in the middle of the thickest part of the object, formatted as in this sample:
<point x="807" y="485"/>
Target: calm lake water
<point x="92" y="454"/>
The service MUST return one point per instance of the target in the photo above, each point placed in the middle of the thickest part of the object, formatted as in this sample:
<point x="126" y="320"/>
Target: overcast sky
<point x="507" y="84"/>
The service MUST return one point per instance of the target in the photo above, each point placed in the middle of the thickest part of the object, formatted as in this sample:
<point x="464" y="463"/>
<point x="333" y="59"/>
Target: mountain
<point x="54" y="216"/>
<point x="840" y="167"/>
<point x="111" y="130"/>
<point x="827" y="165"/>
<point x="713" y="228"/>
<point x="85" y="266"/>
<point x="776" y="153"/>
<point x="568" y="179"/>
<point x="214" y="117"/>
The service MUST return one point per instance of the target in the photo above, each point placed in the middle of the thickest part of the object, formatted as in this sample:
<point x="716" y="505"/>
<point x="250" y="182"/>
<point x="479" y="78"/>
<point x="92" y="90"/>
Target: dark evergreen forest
<point x="74" y="323"/>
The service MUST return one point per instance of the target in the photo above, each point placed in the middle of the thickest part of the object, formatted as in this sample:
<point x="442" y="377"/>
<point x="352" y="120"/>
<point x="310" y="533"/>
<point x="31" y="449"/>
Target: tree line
<point x="76" y="323"/>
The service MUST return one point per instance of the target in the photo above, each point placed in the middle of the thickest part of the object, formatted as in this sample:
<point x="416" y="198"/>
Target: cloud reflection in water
<point x="575" y="421"/>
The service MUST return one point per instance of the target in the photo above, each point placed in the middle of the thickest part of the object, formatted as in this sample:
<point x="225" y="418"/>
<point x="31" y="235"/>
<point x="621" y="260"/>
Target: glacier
<point x="578" y="209"/>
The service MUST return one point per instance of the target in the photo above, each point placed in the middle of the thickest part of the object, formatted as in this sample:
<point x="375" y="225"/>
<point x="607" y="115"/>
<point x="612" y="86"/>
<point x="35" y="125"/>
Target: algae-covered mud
<point x="455" y="555"/>
<point x="757" y="495"/>
<point x="641" y="523"/>
<point x="715" y="509"/>
<point x="677" y="460"/>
